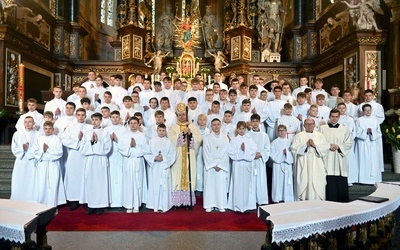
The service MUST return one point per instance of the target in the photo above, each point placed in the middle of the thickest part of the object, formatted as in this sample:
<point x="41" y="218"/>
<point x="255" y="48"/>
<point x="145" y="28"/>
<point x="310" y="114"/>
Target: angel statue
<point x="219" y="62"/>
<point x="158" y="59"/>
<point x="5" y="8"/>
<point x="363" y="14"/>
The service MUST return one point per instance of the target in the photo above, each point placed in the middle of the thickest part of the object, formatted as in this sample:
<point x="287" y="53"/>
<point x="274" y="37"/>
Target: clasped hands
<point x="310" y="143"/>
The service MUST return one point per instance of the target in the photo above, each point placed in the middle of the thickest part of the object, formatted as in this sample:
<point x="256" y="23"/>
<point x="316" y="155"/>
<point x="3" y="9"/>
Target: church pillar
<point x="310" y="11"/>
<point x="74" y="11"/>
<point x="393" y="76"/>
<point x="62" y="33"/>
<point x="60" y="8"/>
<point x="298" y="12"/>
<point x="76" y="41"/>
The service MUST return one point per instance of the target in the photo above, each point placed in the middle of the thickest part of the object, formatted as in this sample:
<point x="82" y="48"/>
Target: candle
<point x="21" y="83"/>
<point x="145" y="76"/>
<point x="383" y="79"/>
<point x="209" y="79"/>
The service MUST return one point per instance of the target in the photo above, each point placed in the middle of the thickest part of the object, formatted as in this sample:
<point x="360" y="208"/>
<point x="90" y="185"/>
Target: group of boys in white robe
<point x="144" y="180"/>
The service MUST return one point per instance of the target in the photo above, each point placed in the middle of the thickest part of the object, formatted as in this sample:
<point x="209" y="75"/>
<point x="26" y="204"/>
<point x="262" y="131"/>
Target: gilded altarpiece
<point x="126" y="52"/>
<point x="13" y="59"/>
<point x="304" y="48"/>
<point x="66" y="43"/>
<point x="73" y="44"/>
<point x="235" y="48"/>
<point x="240" y="44"/>
<point x="373" y="69"/>
<point x="57" y="40"/>
<point x="137" y="47"/>
<point x="351" y="71"/>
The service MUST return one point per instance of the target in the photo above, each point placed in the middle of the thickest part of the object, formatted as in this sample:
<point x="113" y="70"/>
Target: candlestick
<point x="21" y="85"/>
<point x="383" y="79"/>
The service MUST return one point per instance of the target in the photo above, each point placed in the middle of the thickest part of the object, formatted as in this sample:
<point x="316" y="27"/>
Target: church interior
<point x="354" y="44"/>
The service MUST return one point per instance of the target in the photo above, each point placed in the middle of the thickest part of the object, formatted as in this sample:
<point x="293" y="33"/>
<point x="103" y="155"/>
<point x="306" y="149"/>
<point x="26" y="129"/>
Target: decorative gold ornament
<point x="180" y="108"/>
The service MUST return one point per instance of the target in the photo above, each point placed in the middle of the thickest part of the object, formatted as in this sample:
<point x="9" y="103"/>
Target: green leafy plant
<point x="205" y="70"/>
<point x="3" y="112"/>
<point x="392" y="133"/>
<point x="170" y="69"/>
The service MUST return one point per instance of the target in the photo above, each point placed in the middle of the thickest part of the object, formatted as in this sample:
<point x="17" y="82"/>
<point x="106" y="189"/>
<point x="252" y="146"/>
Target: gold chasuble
<point x="180" y="169"/>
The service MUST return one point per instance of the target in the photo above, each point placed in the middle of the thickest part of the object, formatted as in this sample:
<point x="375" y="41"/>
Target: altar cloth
<point x="301" y="219"/>
<point x="18" y="218"/>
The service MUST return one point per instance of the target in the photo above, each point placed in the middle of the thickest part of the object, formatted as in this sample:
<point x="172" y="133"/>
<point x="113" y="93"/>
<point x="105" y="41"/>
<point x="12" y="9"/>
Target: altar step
<point x="6" y="166"/>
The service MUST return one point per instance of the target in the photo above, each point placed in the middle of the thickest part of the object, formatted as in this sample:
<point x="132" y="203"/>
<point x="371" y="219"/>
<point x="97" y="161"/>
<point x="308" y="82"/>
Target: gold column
<point x="394" y="79"/>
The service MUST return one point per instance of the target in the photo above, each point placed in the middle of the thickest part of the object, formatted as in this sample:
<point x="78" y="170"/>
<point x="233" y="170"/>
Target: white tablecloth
<point x="297" y="220"/>
<point x="15" y="216"/>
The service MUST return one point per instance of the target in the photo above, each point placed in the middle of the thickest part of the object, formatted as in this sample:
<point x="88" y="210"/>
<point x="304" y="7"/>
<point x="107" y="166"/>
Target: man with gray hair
<point x="309" y="148"/>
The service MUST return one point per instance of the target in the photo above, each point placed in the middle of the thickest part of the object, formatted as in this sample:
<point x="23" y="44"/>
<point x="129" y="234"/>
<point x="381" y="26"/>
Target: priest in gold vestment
<point x="179" y="134"/>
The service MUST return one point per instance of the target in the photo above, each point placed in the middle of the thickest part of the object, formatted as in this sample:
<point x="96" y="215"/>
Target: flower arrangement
<point x="205" y="70"/>
<point x="170" y="69"/>
<point x="392" y="133"/>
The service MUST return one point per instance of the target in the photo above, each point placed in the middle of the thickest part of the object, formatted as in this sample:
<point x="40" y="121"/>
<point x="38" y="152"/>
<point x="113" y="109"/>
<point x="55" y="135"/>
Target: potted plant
<point x="392" y="136"/>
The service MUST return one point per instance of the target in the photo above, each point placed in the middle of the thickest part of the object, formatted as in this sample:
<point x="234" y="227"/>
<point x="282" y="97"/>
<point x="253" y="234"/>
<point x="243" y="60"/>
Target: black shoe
<point x="99" y="211"/>
<point x="90" y="210"/>
<point x="74" y="205"/>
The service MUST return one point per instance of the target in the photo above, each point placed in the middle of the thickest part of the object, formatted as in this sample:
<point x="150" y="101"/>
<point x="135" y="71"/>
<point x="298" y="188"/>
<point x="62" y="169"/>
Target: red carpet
<point x="174" y="220"/>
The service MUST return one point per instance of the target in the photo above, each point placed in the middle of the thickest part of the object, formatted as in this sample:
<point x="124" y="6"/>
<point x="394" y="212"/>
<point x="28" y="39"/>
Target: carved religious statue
<point x="164" y="35"/>
<point x="363" y="14"/>
<point x="210" y="30"/>
<point x="157" y="60"/>
<point x="219" y="62"/>
<point x="186" y="33"/>
<point x="269" y="24"/>
<point x="5" y="8"/>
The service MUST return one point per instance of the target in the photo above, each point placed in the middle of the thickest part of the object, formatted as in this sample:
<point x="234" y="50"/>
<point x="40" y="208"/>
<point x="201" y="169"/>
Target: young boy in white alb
<point x="24" y="172"/>
<point x="116" y="131"/>
<point x="259" y="190"/>
<point x="282" y="172"/>
<point x="48" y="151"/>
<point x="95" y="182"/>
<point x="216" y="166"/>
<point x="37" y="117"/>
<point x="72" y="141"/>
<point x="293" y="124"/>
<point x="242" y="151"/>
<point x="162" y="156"/>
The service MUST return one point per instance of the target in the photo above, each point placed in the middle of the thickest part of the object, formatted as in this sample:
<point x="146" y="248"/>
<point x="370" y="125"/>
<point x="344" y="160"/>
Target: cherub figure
<point x="157" y="58"/>
<point x="219" y="60"/>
